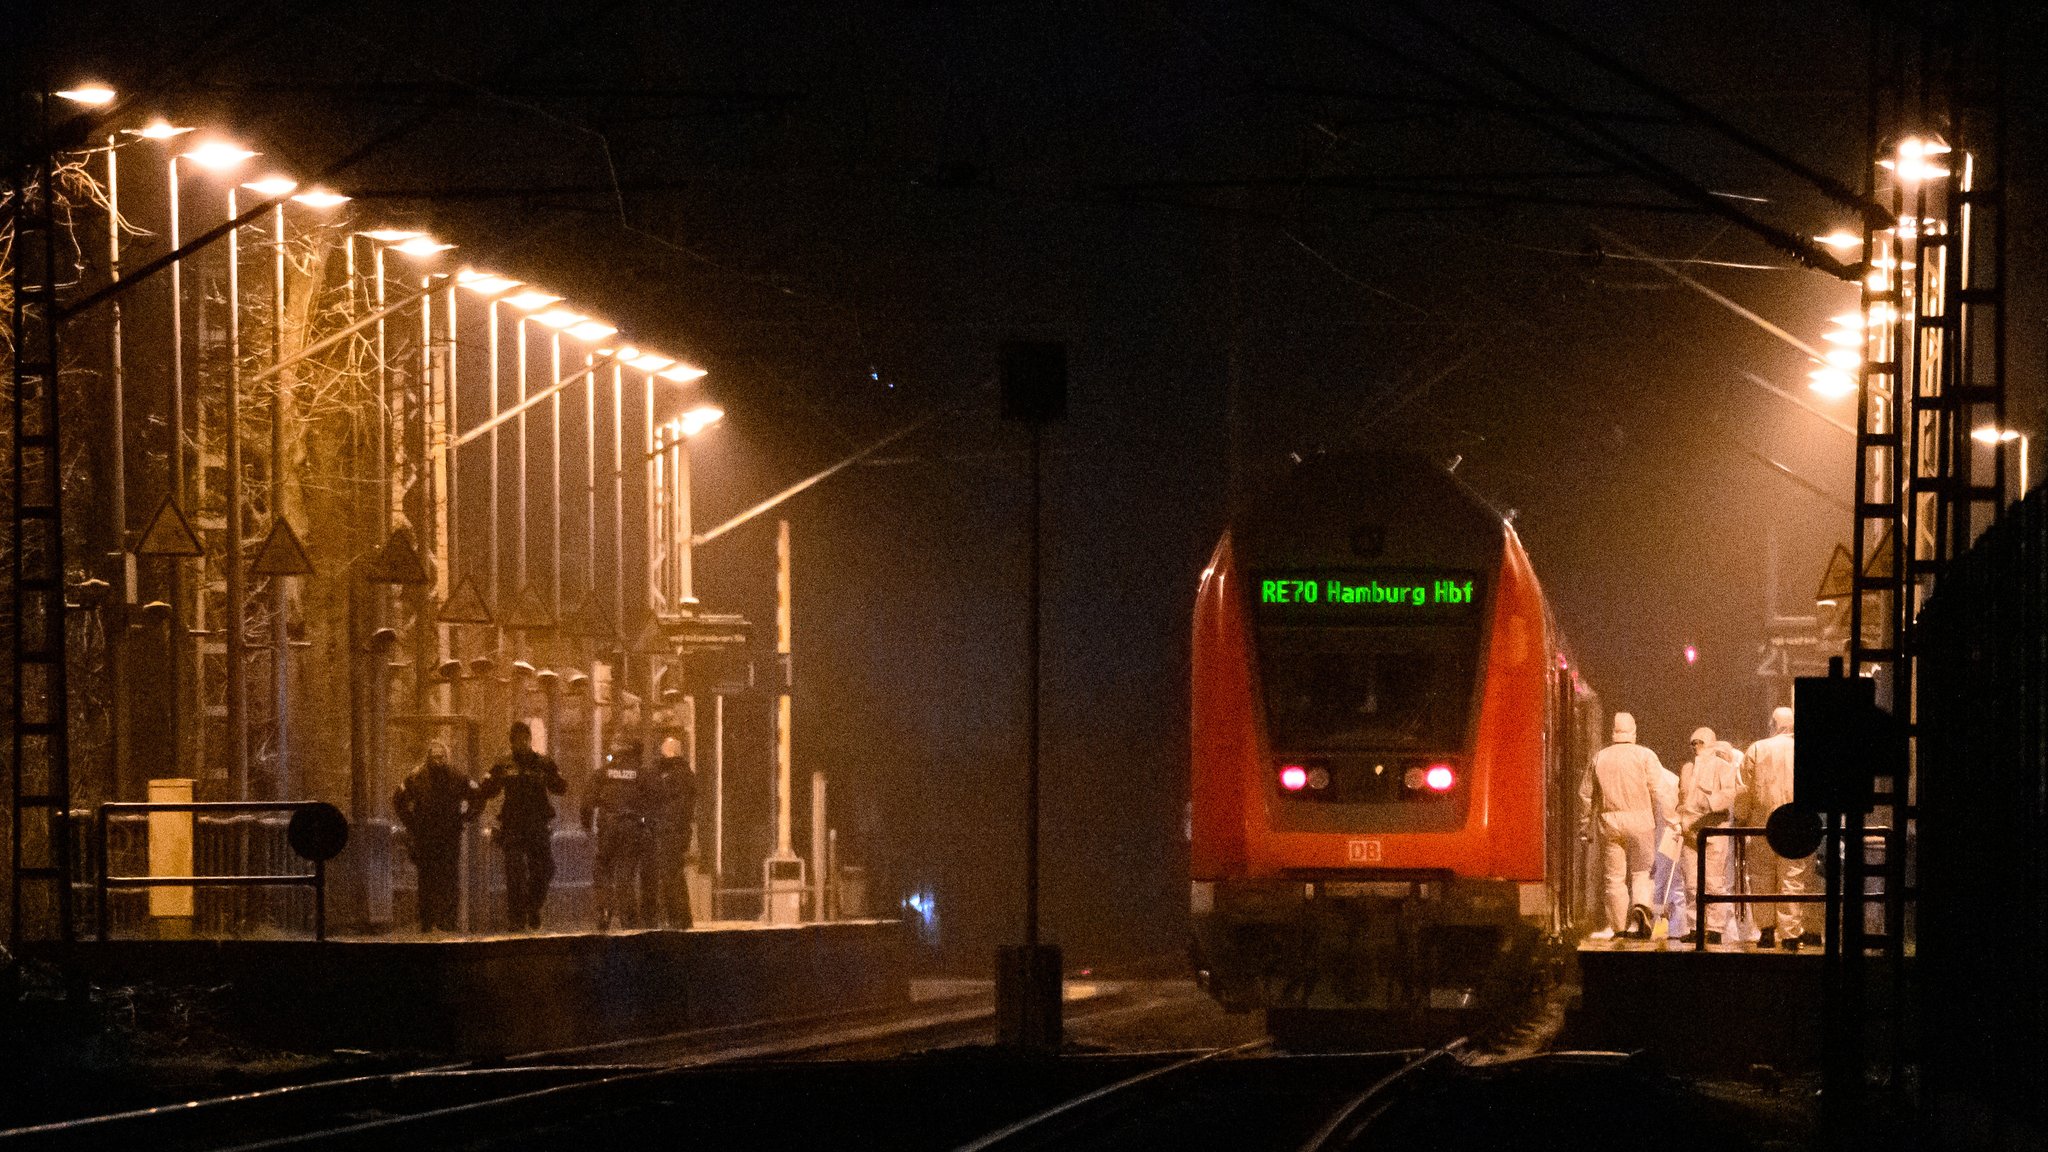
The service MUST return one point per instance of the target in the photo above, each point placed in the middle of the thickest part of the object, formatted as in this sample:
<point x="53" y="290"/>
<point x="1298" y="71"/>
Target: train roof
<point x="1388" y="508"/>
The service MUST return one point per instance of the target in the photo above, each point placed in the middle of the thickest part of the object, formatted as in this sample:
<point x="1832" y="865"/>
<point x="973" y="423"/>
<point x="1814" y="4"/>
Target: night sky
<point x="1262" y="229"/>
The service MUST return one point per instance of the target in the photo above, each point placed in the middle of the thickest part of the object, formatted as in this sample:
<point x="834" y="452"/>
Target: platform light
<point x="681" y="373"/>
<point x="90" y="95"/>
<point x="1845" y="337"/>
<point x="592" y="329"/>
<point x="420" y="247"/>
<point x="391" y="235"/>
<point x="644" y="361"/>
<point x="485" y="283"/>
<point x="698" y="419"/>
<point x="531" y="300"/>
<point x="1911" y="164"/>
<point x="1844" y="358"/>
<point x="1293" y="777"/>
<point x="272" y="186"/>
<point x="559" y="319"/>
<point x="1840" y="238"/>
<point x="156" y="130"/>
<point x="219" y="155"/>
<point x="1991" y="434"/>
<point x="320" y="198"/>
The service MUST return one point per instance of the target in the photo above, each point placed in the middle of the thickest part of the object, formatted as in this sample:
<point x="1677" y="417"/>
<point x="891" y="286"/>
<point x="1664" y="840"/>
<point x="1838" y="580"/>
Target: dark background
<point x="1259" y="236"/>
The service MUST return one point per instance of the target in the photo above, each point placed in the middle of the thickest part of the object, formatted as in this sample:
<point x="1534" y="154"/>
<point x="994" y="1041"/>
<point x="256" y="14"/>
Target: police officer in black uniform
<point x="621" y="808"/>
<point x="525" y="824"/>
<point x="433" y="803"/>
<point x="678" y="786"/>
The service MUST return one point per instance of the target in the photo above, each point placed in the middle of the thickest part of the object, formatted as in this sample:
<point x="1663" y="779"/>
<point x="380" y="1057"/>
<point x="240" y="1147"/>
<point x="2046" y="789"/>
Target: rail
<point x="103" y="881"/>
<point x="1738" y="835"/>
<point x="1345" y="1124"/>
<point x="1032" y="1127"/>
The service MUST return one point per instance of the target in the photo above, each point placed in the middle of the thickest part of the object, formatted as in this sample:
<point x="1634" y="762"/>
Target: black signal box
<point x="1034" y="378"/>
<point x="1842" y="743"/>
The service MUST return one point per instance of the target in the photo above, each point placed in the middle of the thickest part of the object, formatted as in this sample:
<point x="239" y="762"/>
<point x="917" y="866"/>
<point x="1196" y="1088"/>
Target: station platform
<point x="496" y="995"/>
<point x="1718" y="1010"/>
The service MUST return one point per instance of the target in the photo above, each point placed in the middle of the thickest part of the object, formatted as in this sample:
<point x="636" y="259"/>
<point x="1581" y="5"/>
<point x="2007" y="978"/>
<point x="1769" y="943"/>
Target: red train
<point x="1387" y="741"/>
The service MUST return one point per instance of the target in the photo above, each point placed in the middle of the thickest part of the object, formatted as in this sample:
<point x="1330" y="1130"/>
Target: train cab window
<point x="1385" y="688"/>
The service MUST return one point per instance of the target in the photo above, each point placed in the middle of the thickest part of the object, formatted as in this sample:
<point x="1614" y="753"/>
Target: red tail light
<point x="1439" y="778"/>
<point x="1293" y="777"/>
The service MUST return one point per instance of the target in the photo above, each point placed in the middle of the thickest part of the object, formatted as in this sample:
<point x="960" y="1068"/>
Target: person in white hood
<point x="1708" y="786"/>
<point x="1767" y="769"/>
<point x="1615" y="797"/>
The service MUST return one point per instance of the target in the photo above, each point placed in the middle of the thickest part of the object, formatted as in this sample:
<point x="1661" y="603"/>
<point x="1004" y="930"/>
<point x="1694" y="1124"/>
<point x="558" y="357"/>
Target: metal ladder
<point x="1934" y="372"/>
<point x="39" y="703"/>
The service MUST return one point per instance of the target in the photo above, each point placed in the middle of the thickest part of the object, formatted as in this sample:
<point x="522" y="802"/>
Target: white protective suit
<point x="1668" y="894"/>
<point x="1615" y="795"/>
<point x="1708" y="787"/>
<point x="1767" y="769"/>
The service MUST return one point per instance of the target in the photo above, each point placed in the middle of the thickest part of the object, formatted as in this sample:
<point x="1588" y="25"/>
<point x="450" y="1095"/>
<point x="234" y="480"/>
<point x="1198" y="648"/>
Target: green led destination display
<point x="1377" y="596"/>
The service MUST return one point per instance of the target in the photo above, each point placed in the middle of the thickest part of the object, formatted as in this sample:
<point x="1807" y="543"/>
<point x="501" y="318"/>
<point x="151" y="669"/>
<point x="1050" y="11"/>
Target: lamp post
<point x="159" y="132"/>
<point x="279" y="189"/>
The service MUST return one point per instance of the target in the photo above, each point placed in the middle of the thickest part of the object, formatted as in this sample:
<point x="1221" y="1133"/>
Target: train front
<point x="1371" y="777"/>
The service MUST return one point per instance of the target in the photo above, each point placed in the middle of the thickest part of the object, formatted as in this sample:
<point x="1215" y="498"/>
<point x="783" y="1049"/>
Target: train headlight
<point x="1293" y="777"/>
<point x="1319" y="778"/>
<point x="1439" y="778"/>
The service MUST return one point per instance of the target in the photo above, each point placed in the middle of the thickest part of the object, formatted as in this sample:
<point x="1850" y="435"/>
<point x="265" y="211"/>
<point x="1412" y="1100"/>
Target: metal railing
<point x="104" y="881"/>
<point x="1702" y="898"/>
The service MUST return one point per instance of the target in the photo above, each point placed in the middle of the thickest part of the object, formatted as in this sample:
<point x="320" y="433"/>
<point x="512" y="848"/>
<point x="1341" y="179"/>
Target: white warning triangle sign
<point x="281" y="554"/>
<point x="465" y="605"/>
<point x="169" y="533"/>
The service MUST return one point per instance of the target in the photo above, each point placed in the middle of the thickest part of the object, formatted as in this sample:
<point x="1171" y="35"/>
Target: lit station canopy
<point x="217" y="154"/>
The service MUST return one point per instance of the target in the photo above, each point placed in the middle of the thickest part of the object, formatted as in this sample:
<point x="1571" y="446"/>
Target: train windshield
<point x="1368" y="688"/>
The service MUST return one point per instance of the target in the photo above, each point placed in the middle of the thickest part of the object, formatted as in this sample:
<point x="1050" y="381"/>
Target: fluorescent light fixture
<point x="1844" y="357"/>
<point x="681" y="373"/>
<point x="320" y="198"/>
<point x="645" y="361"/>
<point x="218" y="155"/>
<point x="592" y="330"/>
<point x="560" y="318"/>
<point x="1990" y="434"/>
<point x="391" y="235"/>
<point x="485" y="283"/>
<point x="273" y="186"/>
<point x="1840" y="238"/>
<point x="157" y="130"/>
<point x="421" y="246"/>
<point x="1844" y="337"/>
<point x="92" y="95"/>
<point x="531" y="300"/>
<point x="698" y="419"/>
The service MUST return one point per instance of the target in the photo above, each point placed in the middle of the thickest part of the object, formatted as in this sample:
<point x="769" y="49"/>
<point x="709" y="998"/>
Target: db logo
<point x="1364" y="851"/>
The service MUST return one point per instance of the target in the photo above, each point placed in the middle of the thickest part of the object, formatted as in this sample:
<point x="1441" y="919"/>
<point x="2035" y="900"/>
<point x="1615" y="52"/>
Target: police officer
<point x="621" y="808"/>
<point x="432" y="803"/>
<point x="678" y="786"/>
<point x="525" y="824"/>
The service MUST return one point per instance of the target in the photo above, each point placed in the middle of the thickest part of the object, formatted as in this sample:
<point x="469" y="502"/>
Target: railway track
<point x="345" y="1110"/>
<point x="1221" y="1098"/>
